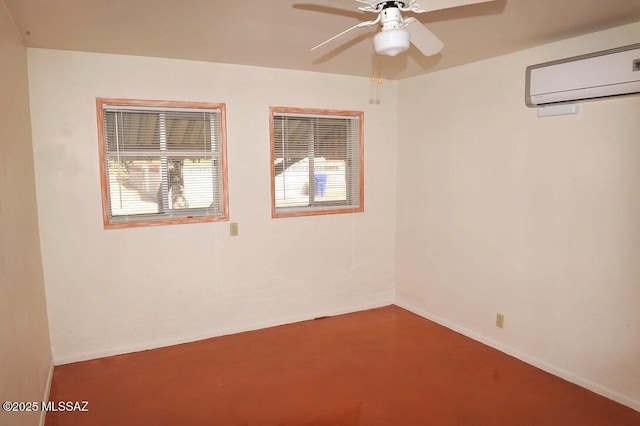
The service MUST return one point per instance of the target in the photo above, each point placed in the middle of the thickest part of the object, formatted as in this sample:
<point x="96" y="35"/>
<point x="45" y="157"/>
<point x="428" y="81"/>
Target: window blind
<point x="316" y="162"/>
<point x="163" y="163"/>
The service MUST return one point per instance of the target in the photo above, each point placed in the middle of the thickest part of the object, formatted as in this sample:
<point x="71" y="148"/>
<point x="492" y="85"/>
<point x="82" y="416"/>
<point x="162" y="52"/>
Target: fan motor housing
<point x="390" y="18"/>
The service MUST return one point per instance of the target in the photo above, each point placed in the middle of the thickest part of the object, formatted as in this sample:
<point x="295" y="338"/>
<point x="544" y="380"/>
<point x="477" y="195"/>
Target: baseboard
<point x="559" y="372"/>
<point x="47" y="390"/>
<point x="384" y="299"/>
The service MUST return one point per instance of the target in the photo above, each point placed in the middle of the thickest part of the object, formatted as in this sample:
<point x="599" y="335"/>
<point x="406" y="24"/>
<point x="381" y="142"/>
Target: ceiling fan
<point x="393" y="38"/>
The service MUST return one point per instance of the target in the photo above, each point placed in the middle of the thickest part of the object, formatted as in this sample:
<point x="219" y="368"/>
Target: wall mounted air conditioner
<point x="614" y="72"/>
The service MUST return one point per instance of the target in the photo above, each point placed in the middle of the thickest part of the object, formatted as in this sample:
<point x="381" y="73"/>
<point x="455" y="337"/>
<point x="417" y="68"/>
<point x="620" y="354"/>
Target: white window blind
<point x="163" y="163"/>
<point x="317" y="162"/>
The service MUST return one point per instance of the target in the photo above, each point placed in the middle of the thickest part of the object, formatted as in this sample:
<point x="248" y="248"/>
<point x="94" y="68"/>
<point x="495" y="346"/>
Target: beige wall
<point x="539" y="219"/>
<point x="25" y="353"/>
<point x="122" y="290"/>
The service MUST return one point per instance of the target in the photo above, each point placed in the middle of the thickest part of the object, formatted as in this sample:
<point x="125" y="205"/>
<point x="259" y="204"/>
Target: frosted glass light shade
<point x="391" y="42"/>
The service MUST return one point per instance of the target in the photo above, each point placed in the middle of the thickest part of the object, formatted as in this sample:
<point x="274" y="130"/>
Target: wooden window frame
<point x="360" y="143"/>
<point x="107" y="221"/>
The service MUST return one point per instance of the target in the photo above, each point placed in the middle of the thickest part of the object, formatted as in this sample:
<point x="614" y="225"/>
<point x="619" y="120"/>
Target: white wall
<point x="539" y="219"/>
<point x="25" y="351"/>
<point x="113" y="291"/>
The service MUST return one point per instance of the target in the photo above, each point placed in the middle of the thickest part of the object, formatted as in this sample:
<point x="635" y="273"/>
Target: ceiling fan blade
<point x="371" y="6"/>
<point x="441" y="4"/>
<point x="360" y="25"/>
<point x="424" y="40"/>
<point x="369" y="3"/>
<point x="327" y="9"/>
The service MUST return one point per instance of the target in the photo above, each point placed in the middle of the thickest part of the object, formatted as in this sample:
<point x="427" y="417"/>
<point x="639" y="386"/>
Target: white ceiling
<point x="279" y="33"/>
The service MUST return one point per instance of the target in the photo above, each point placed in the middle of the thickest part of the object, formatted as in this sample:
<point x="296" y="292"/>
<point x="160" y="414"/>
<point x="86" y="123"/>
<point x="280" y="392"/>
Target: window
<point x="162" y="162"/>
<point x="316" y="162"/>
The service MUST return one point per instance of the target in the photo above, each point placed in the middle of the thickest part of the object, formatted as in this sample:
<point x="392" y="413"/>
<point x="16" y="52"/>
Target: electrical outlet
<point x="499" y="320"/>
<point x="233" y="229"/>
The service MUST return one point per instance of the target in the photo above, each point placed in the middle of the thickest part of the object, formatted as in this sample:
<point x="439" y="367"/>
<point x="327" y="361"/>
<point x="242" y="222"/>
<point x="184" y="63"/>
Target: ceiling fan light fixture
<point x="391" y="42"/>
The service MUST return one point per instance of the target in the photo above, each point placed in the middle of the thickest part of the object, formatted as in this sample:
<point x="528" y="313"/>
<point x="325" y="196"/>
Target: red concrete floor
<point x="382" y="367"/>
